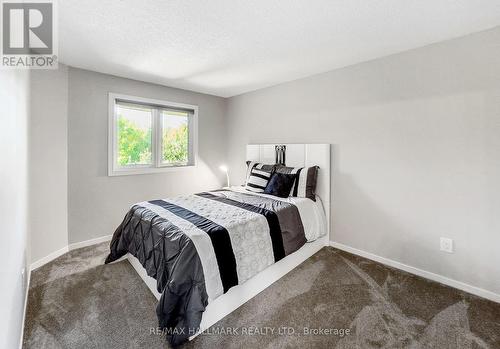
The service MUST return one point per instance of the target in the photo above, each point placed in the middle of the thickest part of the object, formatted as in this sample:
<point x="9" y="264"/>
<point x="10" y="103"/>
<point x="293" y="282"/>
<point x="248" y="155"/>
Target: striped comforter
<point x="198" y="246"/>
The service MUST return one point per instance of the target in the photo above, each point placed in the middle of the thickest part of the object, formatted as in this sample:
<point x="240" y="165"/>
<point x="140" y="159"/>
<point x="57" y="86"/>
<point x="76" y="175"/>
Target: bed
<point x="204" y="255"/>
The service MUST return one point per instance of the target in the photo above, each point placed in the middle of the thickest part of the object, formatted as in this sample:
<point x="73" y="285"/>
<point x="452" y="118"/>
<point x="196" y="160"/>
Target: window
<point x="148" y="136"/>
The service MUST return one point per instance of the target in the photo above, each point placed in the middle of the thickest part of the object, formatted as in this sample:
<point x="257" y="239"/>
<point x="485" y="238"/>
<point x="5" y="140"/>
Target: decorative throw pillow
<point x="305" y="181"/>
<point x="258" y="165"/>
<point x="280" y="184"/>
<point x="257" y="181"/>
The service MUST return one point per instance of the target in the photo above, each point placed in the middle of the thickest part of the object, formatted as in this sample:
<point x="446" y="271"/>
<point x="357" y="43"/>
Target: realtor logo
<point x="28" y="35"/>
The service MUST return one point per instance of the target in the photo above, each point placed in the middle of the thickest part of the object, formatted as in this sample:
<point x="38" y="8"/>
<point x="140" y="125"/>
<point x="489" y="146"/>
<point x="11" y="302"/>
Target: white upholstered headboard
<point x="300" y="155"/>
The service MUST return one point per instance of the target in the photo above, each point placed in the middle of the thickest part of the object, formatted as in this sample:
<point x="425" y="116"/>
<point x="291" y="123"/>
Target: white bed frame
<point x="297" y="155"/>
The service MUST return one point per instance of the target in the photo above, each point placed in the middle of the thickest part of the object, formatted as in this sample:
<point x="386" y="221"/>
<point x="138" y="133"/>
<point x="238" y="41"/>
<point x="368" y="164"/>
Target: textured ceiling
<point x="228" y="47"/>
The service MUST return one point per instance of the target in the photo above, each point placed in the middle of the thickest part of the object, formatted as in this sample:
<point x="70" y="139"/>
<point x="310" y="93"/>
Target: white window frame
<point x="157" y="165"/>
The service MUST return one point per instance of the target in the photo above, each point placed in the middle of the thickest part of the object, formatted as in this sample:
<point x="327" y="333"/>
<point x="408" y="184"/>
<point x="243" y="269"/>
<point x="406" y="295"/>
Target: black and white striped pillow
<point x="257" y="181"/>
<point x="258" y="165"/>
<point x="305" y="182"/>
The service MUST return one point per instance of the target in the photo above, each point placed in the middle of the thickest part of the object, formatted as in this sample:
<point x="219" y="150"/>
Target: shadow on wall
<point x="202" y="177"/>
<point x="465" y="65"/>
<point x="362" y="221"/>
<point x="102" y="206"/>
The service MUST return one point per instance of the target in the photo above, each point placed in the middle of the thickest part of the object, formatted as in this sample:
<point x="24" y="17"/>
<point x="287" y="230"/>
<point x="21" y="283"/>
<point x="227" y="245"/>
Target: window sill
<point x="148" y="170"/>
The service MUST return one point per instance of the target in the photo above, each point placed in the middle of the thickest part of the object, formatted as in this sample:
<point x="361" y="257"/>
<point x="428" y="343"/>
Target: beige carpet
<point x="333" y="300"/>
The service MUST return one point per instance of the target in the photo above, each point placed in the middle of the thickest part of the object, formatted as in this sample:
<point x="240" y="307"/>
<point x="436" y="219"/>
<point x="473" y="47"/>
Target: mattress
<point x="198" y="246"/>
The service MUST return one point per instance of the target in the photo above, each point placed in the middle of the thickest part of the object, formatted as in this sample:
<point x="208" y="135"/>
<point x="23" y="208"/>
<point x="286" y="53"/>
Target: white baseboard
<point x="419" y="272"/>
<point x="90" y="242"/>
<point x="48" y="258"/>
<point x="25" y="309"/>
<point x="70" y="247"/>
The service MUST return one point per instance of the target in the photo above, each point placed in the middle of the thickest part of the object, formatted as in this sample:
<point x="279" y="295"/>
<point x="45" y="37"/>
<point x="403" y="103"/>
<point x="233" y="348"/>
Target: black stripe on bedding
<point x="219" y="237"/>
<point x="271" y="217"/>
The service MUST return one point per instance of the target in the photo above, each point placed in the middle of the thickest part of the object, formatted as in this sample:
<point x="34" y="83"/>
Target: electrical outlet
<point x="446" y="245"/>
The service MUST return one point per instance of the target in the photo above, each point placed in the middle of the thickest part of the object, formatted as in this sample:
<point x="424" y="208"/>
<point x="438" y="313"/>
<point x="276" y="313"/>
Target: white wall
<point x="14" y="110"/>
<point x="48" y="189"/>
<point x="98" y="203"/>
<point x="416" y="151"/>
